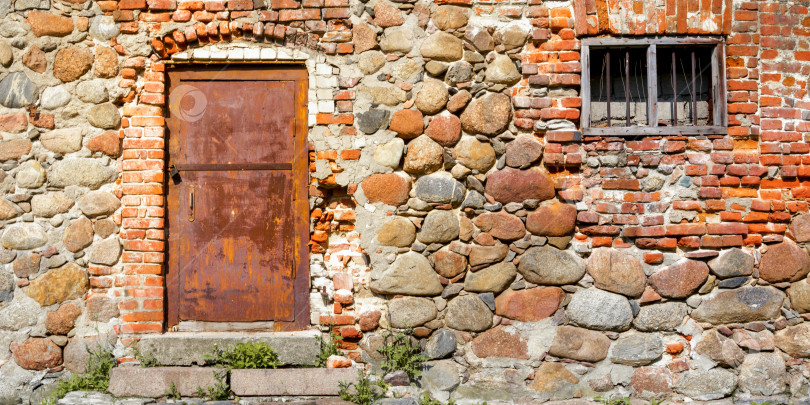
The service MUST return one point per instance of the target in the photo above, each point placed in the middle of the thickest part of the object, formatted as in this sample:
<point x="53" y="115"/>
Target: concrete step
<point x="154" y="382"/>
<point x="290" y="382"/>
<point x="299" y="348"/>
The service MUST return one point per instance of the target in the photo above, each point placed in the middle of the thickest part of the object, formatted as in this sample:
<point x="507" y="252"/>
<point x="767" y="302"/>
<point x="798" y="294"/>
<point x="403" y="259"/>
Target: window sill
<point x="632" y="131"/>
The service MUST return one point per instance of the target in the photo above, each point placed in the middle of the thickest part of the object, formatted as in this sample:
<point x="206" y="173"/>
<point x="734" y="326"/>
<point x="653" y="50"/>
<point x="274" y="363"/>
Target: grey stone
<point x="190" y="348"/>
<point x="24" y="236"/>
<point x="494" y="279"/>
<point x="156" y="381"/>
<point x="372" y="120"/>
<point x="579" y="344"/>
<point x="468" y="313"/>
<point x="480" y="38"/>
<point x="660" y="317"/>
<point x="503" y="71"/>
<point x="720" y="349"/>
<point x="746" y="304"/>
<point x="104" y="116"/>
<point x="30" y="175"/>
<point x="549" y="266"/>
<point x="410" y="274"/>
<point x="439" y="226"/>
<point x="92" y="91"/>
<point x="370" y="62"/>
<point x="601" y="310"/>
<point x="7" y="285"/>
<point x="80" y="172"/>
<point x="65" y="140"/>
<point x="98" y="203"/>
<point x="75" y="353"/>
<point x="410" y="312"/>
<point x="474" y="200"/>
<point x="443" y="47"/>
<point x="733" y="282"/>
<point x="459" y="72"/>
<point x="440" y="189"/>
<point x="104" y="28"/>
<point x="441" y="344"/>
<point x="637" y="349"/>
<point x="106" y="252"/>
<point x="48" y="205"/>
<point x="54" y="97"/>
<point x="440" y="375"/>
<point x="732" y="263"/>
<point x="287" y="382"/>
<point x="390" y="153"/>
<point x="397" y="40"/>
<point x="432" y="97"/>
<point x="705" y="385"/>
<point x="17" y="91"/>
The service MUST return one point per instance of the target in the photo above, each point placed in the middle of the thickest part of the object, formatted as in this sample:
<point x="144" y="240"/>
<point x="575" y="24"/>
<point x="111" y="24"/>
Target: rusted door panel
<point x="237" y="252"/>
<point x="241" y="122"/>
<point x="237" y="211"/>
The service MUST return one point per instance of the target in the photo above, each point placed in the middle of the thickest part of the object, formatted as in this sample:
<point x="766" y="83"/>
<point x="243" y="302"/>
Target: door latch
<point x="173" y="171"/>
<point x="191" y="203"/>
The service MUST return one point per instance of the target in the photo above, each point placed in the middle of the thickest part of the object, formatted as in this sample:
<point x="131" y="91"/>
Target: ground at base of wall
<point x="99" y="398"/>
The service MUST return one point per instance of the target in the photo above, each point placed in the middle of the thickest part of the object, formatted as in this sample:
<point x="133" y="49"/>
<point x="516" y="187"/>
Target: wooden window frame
<point x="720" y="117"/>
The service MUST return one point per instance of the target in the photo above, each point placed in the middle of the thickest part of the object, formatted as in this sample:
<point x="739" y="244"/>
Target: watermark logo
<point x="188" y="103"/>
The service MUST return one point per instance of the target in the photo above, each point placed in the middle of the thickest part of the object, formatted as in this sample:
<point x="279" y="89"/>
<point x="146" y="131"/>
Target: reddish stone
<point x="501" y="342"/>
<point x="522" y="151"/>
<point x="408" y="124"/>
<point x="784" y="261"/>
<point x="800" y="228"/>
<point x="27" y="266"/>
<point x="61" y="321"/>
<point x="512" y="185"/>
<point x="37" y="354"/>
<point x="386" y="15"/>
<point x="389" y="188"/>
<point x="106" y="64"/>
<point x="651" y="381"/>
<point x="616" y="271"/>
<point x="15" y="123"/>
<point x="459" y="101"/>
<point x="34" y="59"/>
<point x="335" y="361"/>
<point x="557" y="219"/>
<point x="681" y="279"/>
<point x="71" y="63"/>
<point x="529" y="305"/>
<point x="648" y="296"/>
<point x="43" y="24"/>
<point x="675" y="348"/>
<point x="444" y="129"/>
<point x="449" y="264"/>
<point x="501" y="225"/>
<point x="14" y="149"/>
<point x="369" y="320"/>
<point x="106" y="143"/>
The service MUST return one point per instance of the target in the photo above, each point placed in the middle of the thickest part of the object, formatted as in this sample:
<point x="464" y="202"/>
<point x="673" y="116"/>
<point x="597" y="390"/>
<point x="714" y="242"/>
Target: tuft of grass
<point x="402" y="354"/>
<point x="425" y="399"/>
<point x="220" y="391"/>
<point x="328" y="348"/>
<point x="172" y="392"/>
<point x="364" y="391"/>
<point x="245" y="355"/>
<point x="95" y="378"/>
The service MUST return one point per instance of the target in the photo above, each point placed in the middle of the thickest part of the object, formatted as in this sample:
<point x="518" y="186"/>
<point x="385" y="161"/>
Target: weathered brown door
<point x="237" y="195"/>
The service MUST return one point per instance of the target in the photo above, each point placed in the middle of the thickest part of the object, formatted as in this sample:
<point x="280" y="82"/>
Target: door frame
<point x="298" y="74"/>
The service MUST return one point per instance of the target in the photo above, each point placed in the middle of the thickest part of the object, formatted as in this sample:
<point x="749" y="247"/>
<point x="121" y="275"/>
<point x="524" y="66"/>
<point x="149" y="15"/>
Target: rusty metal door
<point x="237" y="196"/>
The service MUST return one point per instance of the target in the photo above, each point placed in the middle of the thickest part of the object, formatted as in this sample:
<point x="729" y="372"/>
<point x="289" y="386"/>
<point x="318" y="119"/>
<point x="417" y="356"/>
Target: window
<point x="653" y="86"/>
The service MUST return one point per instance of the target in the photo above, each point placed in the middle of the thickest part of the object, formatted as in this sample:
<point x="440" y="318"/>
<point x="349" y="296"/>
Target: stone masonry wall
<point x="451" y="192"/>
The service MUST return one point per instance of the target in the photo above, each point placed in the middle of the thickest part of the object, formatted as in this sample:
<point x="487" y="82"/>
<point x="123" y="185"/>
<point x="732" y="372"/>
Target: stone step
<point x="290" y="382"/>
<point x="299" y="348"/>
<point x="154" y="382"/>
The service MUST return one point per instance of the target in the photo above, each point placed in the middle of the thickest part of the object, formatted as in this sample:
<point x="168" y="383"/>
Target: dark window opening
<point x="640" y="86"/>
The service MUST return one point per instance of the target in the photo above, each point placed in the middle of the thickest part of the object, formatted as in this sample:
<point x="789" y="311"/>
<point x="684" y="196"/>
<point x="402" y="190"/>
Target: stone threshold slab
<point x="154" y="382"/>
<point x="290" y="382"/>
<point x="299" y="348"/>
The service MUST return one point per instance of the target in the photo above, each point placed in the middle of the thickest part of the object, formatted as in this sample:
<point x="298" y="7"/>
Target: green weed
<point x="172" y="392"/>
<point x="402" y="354"/>
<point x="328" y="348"/>
<point x="364" y="391"/>
<point x="220" y="391"/>
<point x="245" y="355"/>
<point x="425" y="399"/>
<point x="95" y="378"/>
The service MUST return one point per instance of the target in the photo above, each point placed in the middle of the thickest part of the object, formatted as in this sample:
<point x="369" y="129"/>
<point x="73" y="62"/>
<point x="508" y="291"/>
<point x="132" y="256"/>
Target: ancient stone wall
<point x="452" y="193"/>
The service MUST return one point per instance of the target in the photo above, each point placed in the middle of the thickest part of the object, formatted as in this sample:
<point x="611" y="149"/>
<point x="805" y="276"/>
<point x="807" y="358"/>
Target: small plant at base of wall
<point x="328" y="348"/>
<point x="95" y="378"/>
<point x="220" y="391"/>
<point x="364" y="391"/>
<point x="402" y="354"/>
<point x="245" y="355"/>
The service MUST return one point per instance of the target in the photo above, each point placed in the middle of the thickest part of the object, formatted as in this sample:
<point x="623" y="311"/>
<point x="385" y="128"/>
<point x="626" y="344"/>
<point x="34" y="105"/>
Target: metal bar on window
<point x="694" y="92"/>
<point x="627" y="85"/>
<point x="674" y="92"/>
<point x="652" y="87"/>
<point x="607" y="84"/>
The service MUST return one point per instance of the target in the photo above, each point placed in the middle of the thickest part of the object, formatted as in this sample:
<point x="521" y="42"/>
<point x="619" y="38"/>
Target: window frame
<point x="719" y="106"/>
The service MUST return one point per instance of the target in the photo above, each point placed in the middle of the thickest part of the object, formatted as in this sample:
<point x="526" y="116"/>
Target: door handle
<point x="191" y="203"/>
